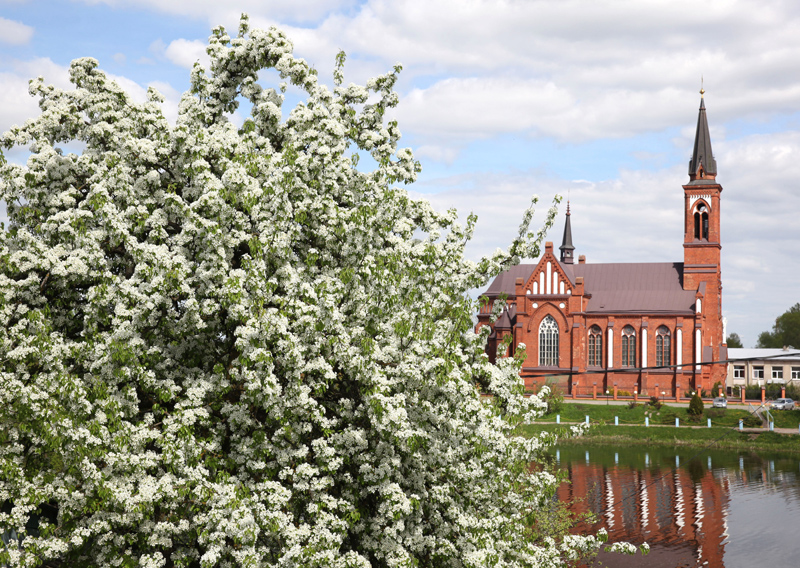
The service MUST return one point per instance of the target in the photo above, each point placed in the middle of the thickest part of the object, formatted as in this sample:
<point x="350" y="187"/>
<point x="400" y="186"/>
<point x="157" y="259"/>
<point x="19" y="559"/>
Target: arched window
<point x="595" y="346"/>
<point x="662" y="346"/>
<point x="701" y="222"/>
<point x="548" y="342"/>
<point x="628" y="346"/>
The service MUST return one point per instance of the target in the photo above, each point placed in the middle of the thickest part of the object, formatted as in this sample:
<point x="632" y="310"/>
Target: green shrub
<point x="752" y="421"/>
<point x="554" y="400"/>
<point x="696" y="407"/>
<point x="655" y="402"/>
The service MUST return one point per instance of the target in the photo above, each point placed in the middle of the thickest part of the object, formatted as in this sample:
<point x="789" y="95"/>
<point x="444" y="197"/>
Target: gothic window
<point x="548" y="342"/>
<point x="701" y="222"/>
<point x="628" y="346"/>
<point x="595" y="346"/>
<point x="662" y="346"/>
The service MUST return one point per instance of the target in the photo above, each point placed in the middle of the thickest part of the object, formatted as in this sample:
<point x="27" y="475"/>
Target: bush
<point x="633" y="404"/>
<point x="656" y="403"/>
<point x="696" y="407"/>
<point x="752" y="421"/>
<point x="623" y="393"/>
<point x="554" y="399"/>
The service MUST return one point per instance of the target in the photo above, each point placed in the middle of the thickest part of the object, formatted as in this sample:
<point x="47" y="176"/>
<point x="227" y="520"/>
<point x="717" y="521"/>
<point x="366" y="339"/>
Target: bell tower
<point x="701" y="254"/>
<point x="701" y="238"/>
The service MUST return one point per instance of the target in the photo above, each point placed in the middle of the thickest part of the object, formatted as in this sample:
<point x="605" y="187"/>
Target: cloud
<point x="444" y="154"/>
<point x="14" y="33"/>
<point x="186" y="53"/>
<point x="16" y="104"/>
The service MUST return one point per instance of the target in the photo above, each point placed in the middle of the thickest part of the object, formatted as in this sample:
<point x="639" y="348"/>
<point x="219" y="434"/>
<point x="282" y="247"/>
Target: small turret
<point x="566" y="247"/>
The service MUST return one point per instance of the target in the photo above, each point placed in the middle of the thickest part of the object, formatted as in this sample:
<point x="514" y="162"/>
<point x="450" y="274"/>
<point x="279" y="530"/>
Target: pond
<point x="693" y="507"/>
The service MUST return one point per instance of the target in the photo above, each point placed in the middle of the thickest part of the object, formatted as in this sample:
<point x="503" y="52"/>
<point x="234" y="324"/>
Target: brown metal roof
<point x="637" y="287"/>
<point x="504" y="282"/>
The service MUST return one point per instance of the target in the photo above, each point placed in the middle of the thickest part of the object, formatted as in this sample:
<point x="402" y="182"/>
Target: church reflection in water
<point x="679" y="512"/>
<point x="685" y="506"/>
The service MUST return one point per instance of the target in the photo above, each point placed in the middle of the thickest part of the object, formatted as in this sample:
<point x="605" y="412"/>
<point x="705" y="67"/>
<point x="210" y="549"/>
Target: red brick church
<point x="642" y="327"/>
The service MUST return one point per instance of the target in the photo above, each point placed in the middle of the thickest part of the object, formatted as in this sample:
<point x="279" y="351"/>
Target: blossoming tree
<point x="226" y="346"/>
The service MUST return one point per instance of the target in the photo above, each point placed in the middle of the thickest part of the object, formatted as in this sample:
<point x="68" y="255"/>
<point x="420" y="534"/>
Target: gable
<point x="548" y="278"/>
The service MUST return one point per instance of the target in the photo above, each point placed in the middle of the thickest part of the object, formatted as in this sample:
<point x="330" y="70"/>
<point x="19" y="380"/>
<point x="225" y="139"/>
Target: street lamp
<point x="606" y="397"/>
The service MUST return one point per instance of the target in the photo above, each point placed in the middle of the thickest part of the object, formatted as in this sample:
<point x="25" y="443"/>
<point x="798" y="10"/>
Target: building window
<point x="758" y="372"/>
<point x="795" y="373"/>
<point x="628" y="346"/>
<point x="738" y="371"/>
<point x="701" y="222"/>
<point x="662" y="346"/>
<point x="548" y="342"/>
<point x="777" y="373"/>
<point x="595" y="346"/>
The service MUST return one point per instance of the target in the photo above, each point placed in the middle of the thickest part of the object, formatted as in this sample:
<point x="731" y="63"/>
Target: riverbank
<point x="637" y="414"/>
<point x="664" y="436"/>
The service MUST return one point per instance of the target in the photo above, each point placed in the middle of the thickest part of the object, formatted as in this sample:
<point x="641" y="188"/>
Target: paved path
<point x="682" y="404"/>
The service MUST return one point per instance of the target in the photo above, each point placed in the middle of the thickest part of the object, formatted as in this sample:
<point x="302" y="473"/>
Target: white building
<point x="761" y="367"/>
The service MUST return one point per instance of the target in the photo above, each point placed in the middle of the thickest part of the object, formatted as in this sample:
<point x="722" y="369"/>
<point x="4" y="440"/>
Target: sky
<point x="595" y="101"/>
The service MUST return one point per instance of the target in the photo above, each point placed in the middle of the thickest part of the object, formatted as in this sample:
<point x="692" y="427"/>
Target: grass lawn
<point x="715" y="437"/>
<point x="786" y="418"/>
<point x="576" y="412"/>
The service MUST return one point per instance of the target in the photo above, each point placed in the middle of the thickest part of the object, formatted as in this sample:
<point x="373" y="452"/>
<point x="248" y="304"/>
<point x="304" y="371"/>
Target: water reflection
<point x="706" y="510"/>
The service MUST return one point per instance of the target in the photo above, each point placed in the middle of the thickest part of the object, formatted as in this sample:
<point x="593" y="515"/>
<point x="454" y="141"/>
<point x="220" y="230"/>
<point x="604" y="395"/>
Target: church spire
<point x="702" y="164"/>
<point x="566" y="247"/>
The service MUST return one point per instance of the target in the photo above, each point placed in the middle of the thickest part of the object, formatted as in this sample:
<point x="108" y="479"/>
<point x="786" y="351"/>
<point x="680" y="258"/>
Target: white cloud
<point x="16" y="104"/>
<point x="120" y="58"/>
<point x="446" y="154"/>
<point x="14" y="33"/>
<point x="186" y="53"/>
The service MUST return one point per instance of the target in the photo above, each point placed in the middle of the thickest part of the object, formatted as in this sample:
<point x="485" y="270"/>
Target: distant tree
<point x="786" y="330"/>
<point x="734" y="340"/>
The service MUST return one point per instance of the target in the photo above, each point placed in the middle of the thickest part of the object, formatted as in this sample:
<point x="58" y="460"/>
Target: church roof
<point x="634" y="287"/>
<point x="505" y="281"/>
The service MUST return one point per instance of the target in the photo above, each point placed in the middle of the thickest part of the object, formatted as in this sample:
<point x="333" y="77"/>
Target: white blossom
<point x="231" y="347"/>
